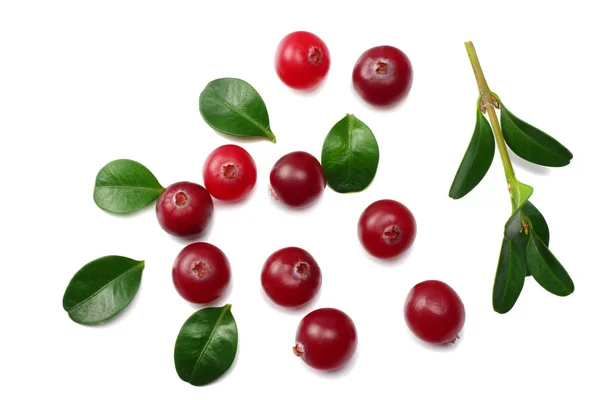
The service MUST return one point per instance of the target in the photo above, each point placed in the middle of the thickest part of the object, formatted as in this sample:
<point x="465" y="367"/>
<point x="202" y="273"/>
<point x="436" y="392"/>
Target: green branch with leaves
<point x="526" y="239"/>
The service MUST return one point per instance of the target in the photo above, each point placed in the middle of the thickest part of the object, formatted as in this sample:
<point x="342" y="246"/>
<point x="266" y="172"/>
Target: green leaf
<point x="206" y="345"/>
<point x="510" y="277"/>
<point x="530" y="143"/>
<point x="350" y="155"/>
<point x="515" y="231"/>
<point x="102" y="288"/>
<point x="546" y="269"/>
<point x="477" y="159"/>
<point x="125" y="186"/>
<point x="233" y="107"/>
<point x="537" y="222"/>
<point x="513" y="227"/>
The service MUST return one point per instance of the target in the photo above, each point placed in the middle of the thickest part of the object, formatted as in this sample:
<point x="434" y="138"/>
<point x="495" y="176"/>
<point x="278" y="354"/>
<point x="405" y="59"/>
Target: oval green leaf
<point x="546" y="269"/>
<point x="233" y="107"/>
<point x="125" y="186"/>
<point x="102" y="288"/>
<point x="530" y="143"/>
<point x="206" y="345"/>
<point x="510" y="277"/>
<point x="350" y="155"/>
<point x="477" y="159"/>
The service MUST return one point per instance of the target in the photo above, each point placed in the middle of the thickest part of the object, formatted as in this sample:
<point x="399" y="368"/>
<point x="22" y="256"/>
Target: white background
<point x="85" y="83"/>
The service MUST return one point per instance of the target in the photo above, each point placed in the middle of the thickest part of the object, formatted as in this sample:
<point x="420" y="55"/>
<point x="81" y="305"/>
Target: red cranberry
<point x="297" y="179"/>
<point x="434" y="312"/>
<point x="382" y="75"/>
<point x="302" y="60"/>
<point x="201" y="272"/>
<point x="326" y="339"/>
<point x="291" y="277"/>
<point x="386" y="229"/>
<point x="229" y="173"/>
<point x="184" y="209"/>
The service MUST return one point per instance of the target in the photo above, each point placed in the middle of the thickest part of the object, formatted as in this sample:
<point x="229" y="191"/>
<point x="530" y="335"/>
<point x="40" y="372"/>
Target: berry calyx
<point x="229" y="171"/>
<point x="181" y="199"/>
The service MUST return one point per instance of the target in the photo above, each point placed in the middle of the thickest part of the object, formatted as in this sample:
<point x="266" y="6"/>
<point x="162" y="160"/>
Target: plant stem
<point x="488" y="101"/>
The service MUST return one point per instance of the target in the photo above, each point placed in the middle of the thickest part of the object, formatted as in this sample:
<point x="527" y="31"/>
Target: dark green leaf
<point x="546" y="269"/>
<point x="513" y="227"/>
<point x="350" y="155"/>
<point x="537" y="221"/>
<point x="125" y="186"/>
<point x="534" y="220"/>
<point x="510" y="277"/>
<point x="102" y="288"/>
<point x="233" y="107"/>
<point x="477" y="159"/>
<point x="515" y="231"/>
<point x="206" y="345"/>
<point x="530" y="143"/>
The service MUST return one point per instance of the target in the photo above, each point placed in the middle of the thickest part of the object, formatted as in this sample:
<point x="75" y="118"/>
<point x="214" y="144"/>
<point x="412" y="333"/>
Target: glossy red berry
<point x="386" y="229"/>
<point x="382" y="76"/>
<point x="302" y="60"/>
<point x="201" y="272"/>
<point x="297" y="179"/>
<point x="229" y="173"/>
<point x="434" y="312"/>
<point x="291" y="277"/>
<point x="326" y="339"/>
<point x="184" y="209"/>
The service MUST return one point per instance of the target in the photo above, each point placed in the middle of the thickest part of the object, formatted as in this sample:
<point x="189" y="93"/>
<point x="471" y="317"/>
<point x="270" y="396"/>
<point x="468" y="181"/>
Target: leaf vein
<point x="238" y="111"/>
<point x="104" y="287"/>
<point x="212" y="333"/>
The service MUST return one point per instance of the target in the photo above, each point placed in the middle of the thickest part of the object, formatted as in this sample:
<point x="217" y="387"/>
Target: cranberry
<point x="297" y="179"/>
<point x="434" y="312"/>
<point x="291" y="277"/>
<point x="201" y="272"/>
<point x="382" y="75"/>
<point x="326" y="339"/>
<point x="184" y="209"/>
<point x="229" y="173"/>
<point x="386" y="229"/>
<point x="302" y="60"/>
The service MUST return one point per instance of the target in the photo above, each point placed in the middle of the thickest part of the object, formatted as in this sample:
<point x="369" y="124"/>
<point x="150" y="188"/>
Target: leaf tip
<point x="501" y="310"/>
<point x="270" y="135"/>
<point x="454" y="193"/>
<point x="569" y="289"/>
